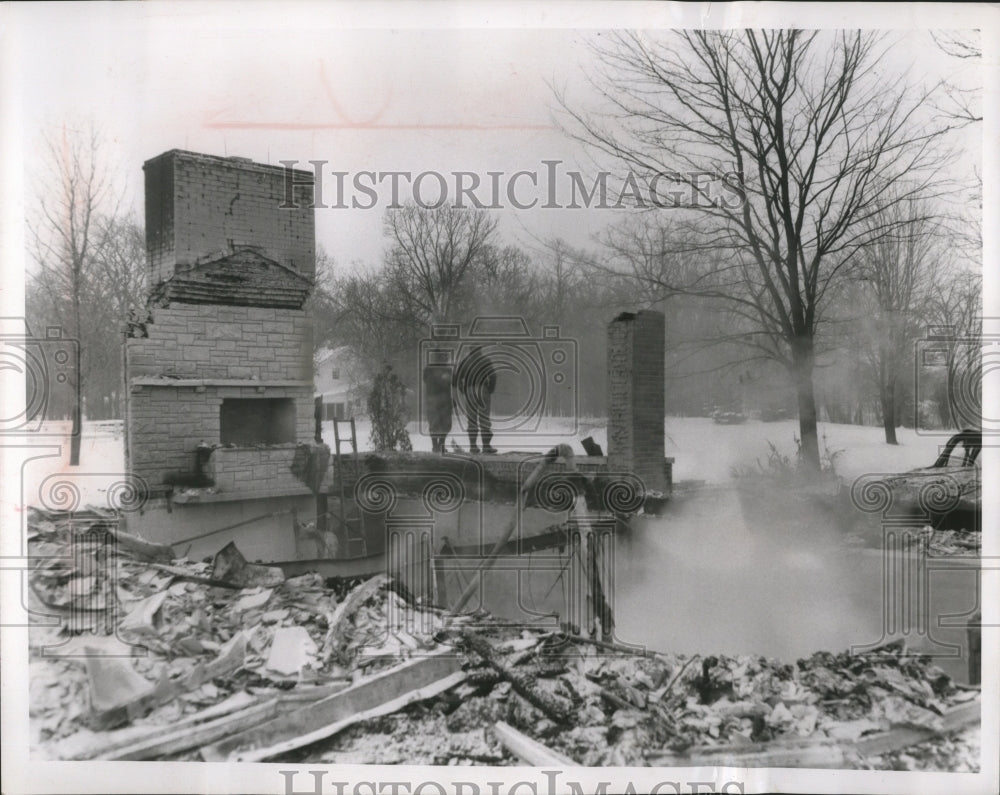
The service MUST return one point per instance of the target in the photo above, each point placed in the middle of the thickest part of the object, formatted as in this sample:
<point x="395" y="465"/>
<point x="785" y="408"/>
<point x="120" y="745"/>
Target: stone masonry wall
<point x="198" y="205"/>
<point x="238" y="469"/>
<point x="201" y="209"/>
<point x="167" y="423"/>
<point x="636" y="406"/>
<point x="232" y="342"/>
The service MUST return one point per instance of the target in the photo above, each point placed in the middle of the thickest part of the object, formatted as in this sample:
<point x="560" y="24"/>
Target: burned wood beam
<point x="556" y="707"/>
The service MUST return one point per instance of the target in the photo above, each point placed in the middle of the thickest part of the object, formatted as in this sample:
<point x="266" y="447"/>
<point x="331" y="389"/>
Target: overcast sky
<point x="287" y="81"/>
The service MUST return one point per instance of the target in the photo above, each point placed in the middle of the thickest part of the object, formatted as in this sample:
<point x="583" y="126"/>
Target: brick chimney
<point x="200" y="205"/>
<point x="636" y="404"/>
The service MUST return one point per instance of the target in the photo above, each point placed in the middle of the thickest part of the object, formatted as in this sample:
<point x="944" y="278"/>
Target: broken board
<point x="822" y="753"/>
<point x="528" y="750"/>
<point x="383" y="694"/>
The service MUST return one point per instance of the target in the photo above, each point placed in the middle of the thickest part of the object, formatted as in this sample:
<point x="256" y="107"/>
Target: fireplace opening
<point x="257" y="421"/>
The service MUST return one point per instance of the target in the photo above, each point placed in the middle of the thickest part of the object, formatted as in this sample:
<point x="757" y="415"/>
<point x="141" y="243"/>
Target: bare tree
<point x="114" y="292"/>
<point x="65" y="237"/>
<point x="368" y="313"/>
<point x="119" y="264"/>
<point x="958" y="313"/>
<point x="642" y="259"/>
<point x="506" y="283"/>
<point x="432" y="251"/>
<point x="322" y="303"/>
<point x="897" y="276"/>
<point x="959" y="298"/>
<point x="787" y="144"/>
<point x="960" y="105"/>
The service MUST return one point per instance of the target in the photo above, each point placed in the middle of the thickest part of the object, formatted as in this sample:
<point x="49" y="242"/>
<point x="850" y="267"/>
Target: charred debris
<point x="143" y="656"/>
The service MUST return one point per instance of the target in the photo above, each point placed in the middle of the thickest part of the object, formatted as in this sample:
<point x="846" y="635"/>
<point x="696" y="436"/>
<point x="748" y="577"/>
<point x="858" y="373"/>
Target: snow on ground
<point x="702" y="449"/>
<point x="705" y="450"/>
<point x="47" y="479"/>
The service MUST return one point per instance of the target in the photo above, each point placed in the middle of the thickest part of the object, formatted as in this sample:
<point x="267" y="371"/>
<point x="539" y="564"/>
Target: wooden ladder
<point x="353" y="532"/>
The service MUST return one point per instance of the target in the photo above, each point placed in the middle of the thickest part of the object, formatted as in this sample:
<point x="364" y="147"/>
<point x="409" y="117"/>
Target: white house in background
<point x="341" y="395"/>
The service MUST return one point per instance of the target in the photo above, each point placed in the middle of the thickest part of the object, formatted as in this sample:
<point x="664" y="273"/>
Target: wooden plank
<point x="177" y="571"/>
<point x="954" y="720"/>
<point x="314" y="692"/>
<point x="381" y="694"/>
<point x="396" y="704"/>
<point x="820" y="753"/>
<point x="528" y="750"/>
<point x="81" y="747"/>
<point x="236" y="714"/>
<point x="193" y="736"/>
<point x="119" y="694"/>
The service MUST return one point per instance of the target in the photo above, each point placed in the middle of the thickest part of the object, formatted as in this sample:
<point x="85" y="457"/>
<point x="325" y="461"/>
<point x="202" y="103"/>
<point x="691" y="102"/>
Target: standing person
<point x="437" y="403"/>
<point x="476" y="379"/>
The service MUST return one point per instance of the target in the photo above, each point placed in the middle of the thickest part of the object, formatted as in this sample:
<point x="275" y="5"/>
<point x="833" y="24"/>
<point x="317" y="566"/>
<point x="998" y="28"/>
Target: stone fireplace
<point x="219" y="374"/>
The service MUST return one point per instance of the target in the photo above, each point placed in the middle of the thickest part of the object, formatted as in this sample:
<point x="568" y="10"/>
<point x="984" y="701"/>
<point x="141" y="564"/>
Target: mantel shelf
<point x="195" y="497"/>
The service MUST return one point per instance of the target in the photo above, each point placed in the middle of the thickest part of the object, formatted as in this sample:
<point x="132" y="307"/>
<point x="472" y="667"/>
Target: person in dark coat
<point x="437" y="403"/>
<point x="476" y="379"/>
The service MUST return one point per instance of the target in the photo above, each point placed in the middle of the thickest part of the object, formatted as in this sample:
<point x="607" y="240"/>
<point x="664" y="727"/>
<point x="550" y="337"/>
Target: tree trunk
<point x="802" y="359"/>
<point x="74" y="439"/>
<point x="887" y="396"/>
<point x="77" y="431"/>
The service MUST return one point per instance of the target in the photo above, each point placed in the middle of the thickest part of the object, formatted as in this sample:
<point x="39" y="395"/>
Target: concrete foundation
<point x="263" y="529"/>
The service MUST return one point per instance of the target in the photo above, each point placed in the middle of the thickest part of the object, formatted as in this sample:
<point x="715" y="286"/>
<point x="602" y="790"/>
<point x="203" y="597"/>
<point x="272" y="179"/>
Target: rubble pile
<point x="629" y="709"/>
<point x="937" y="541"/>
<point x="243" y="664"/>
<point x="953" y="543"/>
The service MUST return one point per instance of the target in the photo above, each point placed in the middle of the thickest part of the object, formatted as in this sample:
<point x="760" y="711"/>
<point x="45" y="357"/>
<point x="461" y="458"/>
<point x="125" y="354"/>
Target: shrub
<point x="387" y="410"/>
